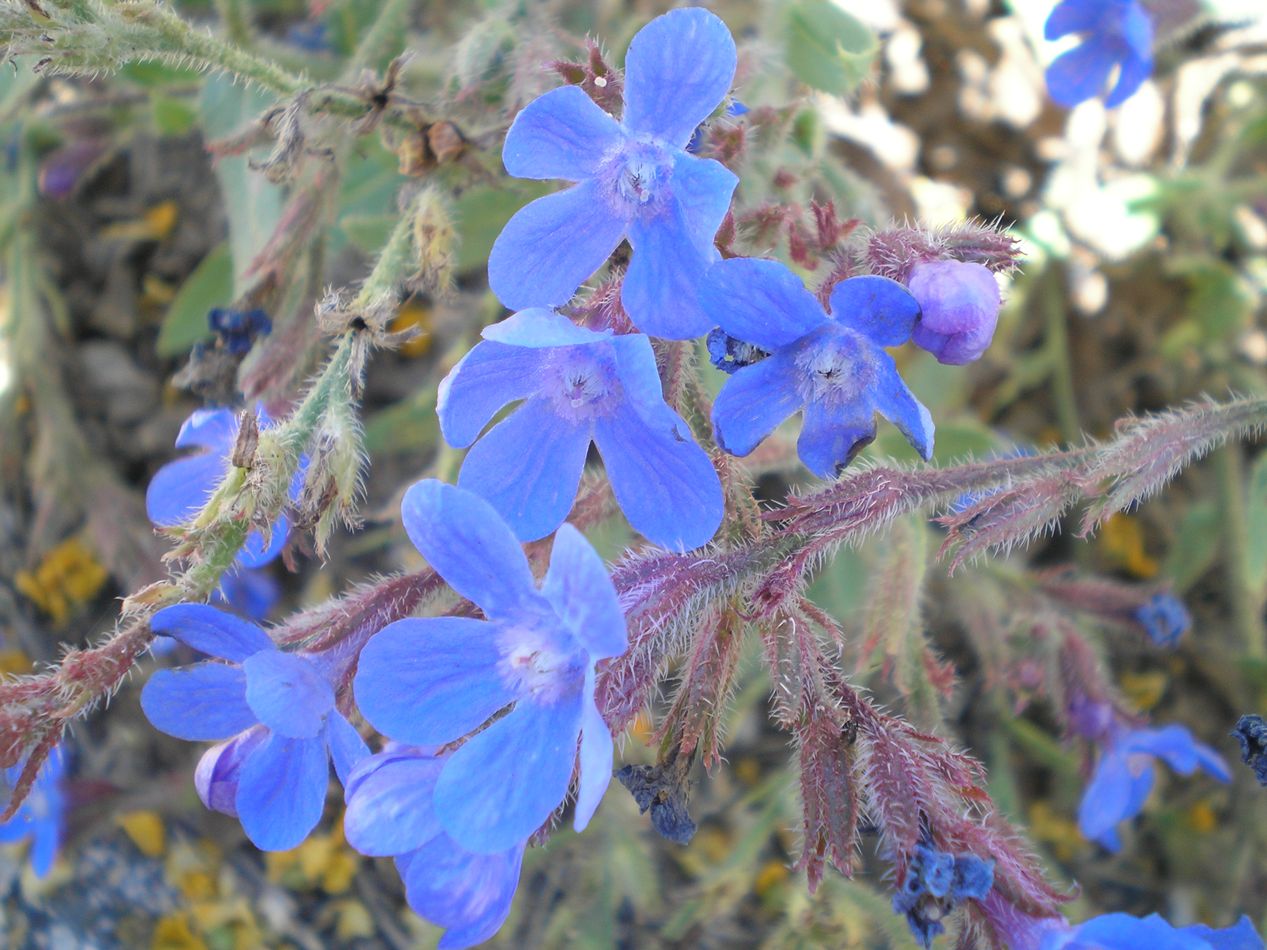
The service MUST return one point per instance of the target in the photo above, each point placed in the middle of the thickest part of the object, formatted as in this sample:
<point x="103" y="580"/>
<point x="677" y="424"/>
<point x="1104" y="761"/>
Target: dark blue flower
<point x="1118" y="34"/>
<point x="959" y="309"/>
<point x="577" y="387"/>
<point x="728" y="354"/>
<point x="831" y="365"/>
<point x="42" y="816"/>
<point x="277" y="707"/>
<point x="1251" y="733"/>
<point x="390" y="813"/>
<point x="1164" y="617"/>
<point x="1124" y="776"/>
<point x="634" y="179"/>
<point x="180" y="489"/>
<point x="937" y="882"/>
<point x="431" y="681"/>
<point x="251" y="594"/>
<point x="1127" y="932"/>
<point x="238" y="329"/>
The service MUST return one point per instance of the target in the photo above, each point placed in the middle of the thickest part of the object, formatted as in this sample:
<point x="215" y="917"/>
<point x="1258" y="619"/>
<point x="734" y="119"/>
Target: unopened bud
<point x="960" y="309"/>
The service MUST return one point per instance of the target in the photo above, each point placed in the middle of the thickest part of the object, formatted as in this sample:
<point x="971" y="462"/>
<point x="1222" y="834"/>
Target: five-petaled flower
<point x="279" y="709"/>
<point x="635" y="180"/>
<point x="42" y="816"/>
<point x="831" y="365"/>
<point x="390" y="814"/>
<point x="1118" y="34"/>
<point x="432" y="681"/>
<point x="1125" y="772"/>
<point x="577" y="387"/>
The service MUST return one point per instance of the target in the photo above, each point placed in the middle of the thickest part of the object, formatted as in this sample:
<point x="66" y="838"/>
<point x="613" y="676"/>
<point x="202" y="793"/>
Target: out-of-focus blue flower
<point x="390" y="813"/>
<point x="831" y="365"/>
<point x="431" y="681"/>
<point x="251" y="594"/>
<point x="238" y="329"/>
<point x="1251" y="733"/>
<point x="42" y="816"/>
<point x="635" y="180"/>
<point x="277" y="707"/>
<point x="577" y="387"/>
<point x="310" y="35"/>
<point x="936" y="883"/>
<point x="959" y="309"/>
<point x="1127" y="932"/>
<point x="179" y="489"/>
<point x="1118" y="34"/>
<point x="1164" y="617"/>
<point x="733" y="111"/>
<point x="1124" y="776"/>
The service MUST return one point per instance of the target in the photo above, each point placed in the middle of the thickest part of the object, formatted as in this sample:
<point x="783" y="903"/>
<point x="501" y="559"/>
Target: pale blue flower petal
<point x="760" y="302"/>
<point x="754" y="401"/>
<point x="551" y="246"/>
<point x="1079" y="74"/>
<point x="582" y="594"/>
<point x="220" y="767"/>
<point x="595" y="770"/>
<point x="213" y="429"/>
<point x="433" y="680"/>
<point x="661" y="287"/>
<point x="288" y="693"/>
<point x="345" y="744"/>
<point x="390" y="812"/>
<point x="528" y="467"/>
<point x="1125" y="932"/>
<point x="1073" y="16"/>
<point x="894" y="401"/>
<point x="256" y="552"/>
<point x="469" y="545"/>
<point x="702" y="189"/>
<point x="562" y="134"/>
<point x="282" y="791"/>
<point x="211" y="631"/>
<point x="490" y="376"/>
<point x="504" y="783"/>
<point x="469" y="894"/>
<point x="1240" y="936"/>
<point x="1133" y="71"/>
<point x="202" y="703"/>
<point x="877" y="307"/>
<point x="179" y="489"/>
<point x="539" y="327"/>
<point x="678" y="69"/>
<point x="831" y="437"/>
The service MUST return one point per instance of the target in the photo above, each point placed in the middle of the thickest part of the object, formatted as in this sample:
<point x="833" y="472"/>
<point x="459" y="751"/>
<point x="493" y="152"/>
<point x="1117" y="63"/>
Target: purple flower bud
<point x="960" y="303"/>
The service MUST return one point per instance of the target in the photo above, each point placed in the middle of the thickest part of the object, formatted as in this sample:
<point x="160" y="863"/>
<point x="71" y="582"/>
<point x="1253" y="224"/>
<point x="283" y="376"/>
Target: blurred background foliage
<point x="1145" y="235"/>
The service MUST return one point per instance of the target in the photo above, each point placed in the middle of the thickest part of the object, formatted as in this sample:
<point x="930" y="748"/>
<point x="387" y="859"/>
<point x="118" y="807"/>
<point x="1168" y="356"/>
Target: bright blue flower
<point x="42" y="816"/>
<point x="577" y="387"/>
<point x="1124" y="776"/>
<point x="431" y="681"/>
<point x="831" y="365"/>
<point x="1118" y="33"/>
<point x="277" y="707"/>
<point x="390" y="813"/>
<point x="1164" y="617"/>
<point x="179" y="489"/>
<point x="936" y="883"/>
<point x="959" y="309"/>
<point x="635" y="180"/>
<point x="1126" y="932"/>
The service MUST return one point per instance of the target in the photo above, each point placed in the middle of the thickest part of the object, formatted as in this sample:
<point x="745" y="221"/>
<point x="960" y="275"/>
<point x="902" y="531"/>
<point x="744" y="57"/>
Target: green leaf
<point x="482" y="213"/>
<point x="1195" y="547"/>
<point x="172" y="116"/>
<point x="210" y="285"/>
<point x="826" y="47"/>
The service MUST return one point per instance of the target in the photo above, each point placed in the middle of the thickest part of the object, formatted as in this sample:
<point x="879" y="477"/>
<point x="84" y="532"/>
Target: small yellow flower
<point x="69" y="575"/>
<point x="1122" y="542"/>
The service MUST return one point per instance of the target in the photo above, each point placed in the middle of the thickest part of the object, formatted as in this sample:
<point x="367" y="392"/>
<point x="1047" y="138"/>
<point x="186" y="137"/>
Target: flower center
<point x="637" y="176"/>
<point x="582" y="382"/>
<point x="837" y="364"/>
<point x="537" y="666"/>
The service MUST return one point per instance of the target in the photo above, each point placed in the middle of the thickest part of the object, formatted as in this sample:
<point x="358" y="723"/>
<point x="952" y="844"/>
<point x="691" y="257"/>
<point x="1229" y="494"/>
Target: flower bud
<point x="960" y="304"/>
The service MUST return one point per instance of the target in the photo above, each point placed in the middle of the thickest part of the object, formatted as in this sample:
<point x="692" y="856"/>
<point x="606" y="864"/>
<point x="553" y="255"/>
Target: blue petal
<point x="1080" y="73"/>
<point x="1134" y="70"/>
<point x="390" y="810"/>
<point x="489" y="377"/>
<point x="44" y="846"/>
<point x="282" y="791"/>
<point x="1136" y="29"/>
<point x="431" y="681"/>
<point x="1241" y="936"/>
<point x="1112" y="796"/>
<point x="287" y="693"/>
<point x="562" y="134"/>
<point x="596" y="761"/>
<point x="754" y="401"/>
<point x="346" y="746"/>
<point x="1172" y="743"/>
<point x="203" y="703"/>
<point x="898" y="404"/>
<point x="661" y="287"/>
<point x="551" y="246"/>
<point x="470" y="894"/>
<point x="541" y="327"/>
<point x="759" y="302"/>
<point x="256" y="553"/>
<point x="212" y="429"/>
<point x="1125" y="932"/>
<point x="663" y="481"/>
<point x="251" y="593"/>
<point x="678" y="69"/>
<point x="469" y="545"/>
<point x="1073" y="16"/>
<point x="880" y="308"/>
<point x="211" y="631"/>
<point x="582" y="594"/>
<point x="702" y="189"/>
<point x="504" y="783"/>
<point x="831" y="437"/>
<point x="179" y="489"/>
<point x="528" y="467"/>
<point x="220" y="767"/>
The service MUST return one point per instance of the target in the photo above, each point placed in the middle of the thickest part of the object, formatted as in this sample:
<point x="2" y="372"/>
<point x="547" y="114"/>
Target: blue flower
<point x="959" y="304"/>
<point x="1251" y="732"/>
<point x="1164" y="617"/>
<point x="390" y="813"/>
<point x="431" y="681"/>
<point x="277" y="707"/>
<point x="42" y="817"/>
<point x="733" y="111"/>
<point x="831" y="365"/>
<point x="936" y="882"/>
<point x="251" y="594"/>
<point x="634" y="179"/>
<point x="1119" y="34"/>
<point x="1124" y="776"/>
<point x="238" y="329"/>
<point x="577" y="387"/>
<point x="179" y="489"/>
<point x="1127" y="932"/>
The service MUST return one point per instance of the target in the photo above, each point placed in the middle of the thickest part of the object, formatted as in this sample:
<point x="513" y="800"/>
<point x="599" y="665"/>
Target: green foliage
<point x="827" y="48"/>
<point x="210" y="285"/>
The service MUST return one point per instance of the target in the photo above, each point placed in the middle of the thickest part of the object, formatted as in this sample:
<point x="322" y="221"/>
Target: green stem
<point x="1232" y="509"/>
<point x="396" y="261"/>
<point x="383" y="41"/>
<point x="236" y="16"/>
<point x="1055" y="316"/>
